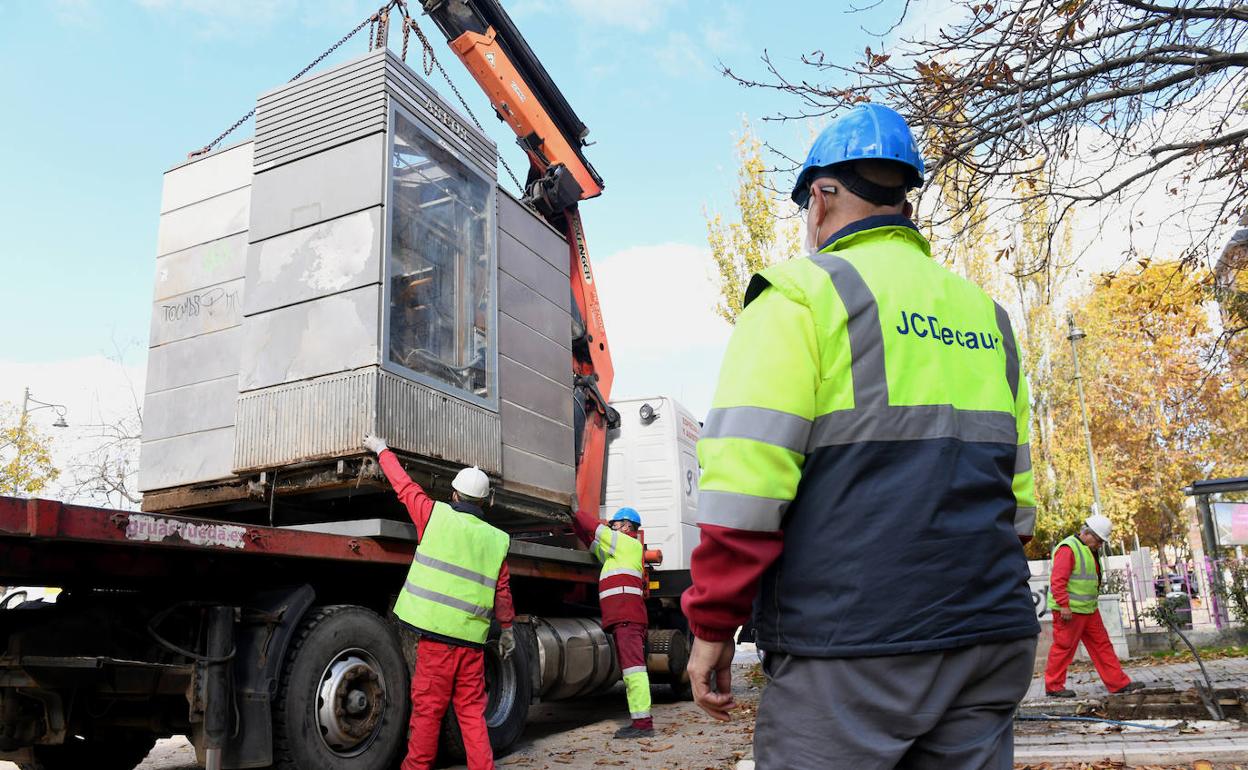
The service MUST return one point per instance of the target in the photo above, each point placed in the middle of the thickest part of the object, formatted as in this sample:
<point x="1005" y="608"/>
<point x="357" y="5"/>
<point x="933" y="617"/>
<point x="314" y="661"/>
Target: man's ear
<point x="907" y="209"/>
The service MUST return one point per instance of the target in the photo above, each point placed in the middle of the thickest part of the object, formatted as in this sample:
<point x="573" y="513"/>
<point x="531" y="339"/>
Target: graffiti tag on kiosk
<point x="152" y="529"/>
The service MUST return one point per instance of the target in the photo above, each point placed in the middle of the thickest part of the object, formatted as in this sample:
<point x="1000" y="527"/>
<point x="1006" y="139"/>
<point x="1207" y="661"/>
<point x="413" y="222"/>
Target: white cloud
<point x="659" y="305"/>
<point x="636" y="15"/>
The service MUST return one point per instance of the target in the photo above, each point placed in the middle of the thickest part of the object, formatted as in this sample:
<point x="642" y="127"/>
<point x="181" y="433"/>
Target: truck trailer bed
<point x="45" y="542"/>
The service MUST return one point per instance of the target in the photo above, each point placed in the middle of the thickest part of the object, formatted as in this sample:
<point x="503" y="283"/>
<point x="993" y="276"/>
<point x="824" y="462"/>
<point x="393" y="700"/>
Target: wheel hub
<point x="350" y="702"/>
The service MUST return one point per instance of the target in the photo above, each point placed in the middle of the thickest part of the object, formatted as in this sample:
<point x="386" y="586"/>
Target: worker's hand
<point x="710" y="664"/>
<point x="374" y="443"/>
<point x="507" y="643"/>
<point x="1066" y="614"/>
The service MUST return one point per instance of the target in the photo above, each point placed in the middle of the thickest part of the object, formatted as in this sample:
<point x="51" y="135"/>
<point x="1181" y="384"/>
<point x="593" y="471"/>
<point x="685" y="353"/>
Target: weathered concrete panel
<point x="521" y="467"/>
<point x="197" y="312"/>
<point x="520" y="343"/>
<point x="531" y="230"/>
<point x="189" y="459"/>
<point x="207" y="177"/>
<point x="324" y="186"/>
<point x="190" y="409"/>
<point x="525" y="387"/>
<point x="327" y="335"/>
<point x="535" y="434"/>
<point x="534" y="311"/>
<point x="205" y="221"/>
<point x="195" y="359"/>
<point x="207" y="264"/>
<point x="316" y="261"/>
<point x="533" y="271"/>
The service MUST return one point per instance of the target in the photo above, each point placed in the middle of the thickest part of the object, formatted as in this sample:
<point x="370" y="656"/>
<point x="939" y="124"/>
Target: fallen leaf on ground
<point x="655" y="749"/>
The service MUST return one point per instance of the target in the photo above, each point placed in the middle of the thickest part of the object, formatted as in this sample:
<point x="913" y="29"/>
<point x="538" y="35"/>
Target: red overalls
<point x="447" y="671"/>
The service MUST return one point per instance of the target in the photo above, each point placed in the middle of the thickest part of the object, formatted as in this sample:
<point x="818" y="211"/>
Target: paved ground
<point x="1227" y="672"/>
<point x="577" y="736"/>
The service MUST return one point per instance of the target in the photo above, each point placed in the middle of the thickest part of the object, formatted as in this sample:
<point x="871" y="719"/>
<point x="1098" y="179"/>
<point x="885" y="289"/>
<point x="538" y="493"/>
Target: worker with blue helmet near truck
<point x="621" y="597"/>
<point x="866" y="487"/>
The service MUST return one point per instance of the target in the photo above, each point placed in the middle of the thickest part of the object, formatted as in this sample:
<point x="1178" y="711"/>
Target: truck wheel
<point x="509" y="688"/>
<point x="116" y="752"/>
<point x="674" y="645"/>
<point x="342" y="700"/>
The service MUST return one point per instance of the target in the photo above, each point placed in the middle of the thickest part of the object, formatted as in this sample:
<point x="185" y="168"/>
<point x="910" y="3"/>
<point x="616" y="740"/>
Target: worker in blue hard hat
<point x="890" y="593"/>
<point x="621" y="597"/>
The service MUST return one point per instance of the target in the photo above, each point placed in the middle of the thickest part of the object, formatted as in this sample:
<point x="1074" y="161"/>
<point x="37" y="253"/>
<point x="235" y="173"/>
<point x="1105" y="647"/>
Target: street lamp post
<point x="27" y="400"/>
<point x="1074" y="336"/>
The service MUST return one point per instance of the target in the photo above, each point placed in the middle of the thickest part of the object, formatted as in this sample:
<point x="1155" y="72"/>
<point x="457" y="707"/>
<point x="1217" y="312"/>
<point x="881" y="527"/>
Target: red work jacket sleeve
<point x="1063" y="565"/>
<point x="504" y="610"/>
<point x="419" y="505"/>
<point x="585" y="525"/>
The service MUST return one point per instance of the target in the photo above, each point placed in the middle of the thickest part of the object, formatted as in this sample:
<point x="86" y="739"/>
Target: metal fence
<point x="1187" y="585"/>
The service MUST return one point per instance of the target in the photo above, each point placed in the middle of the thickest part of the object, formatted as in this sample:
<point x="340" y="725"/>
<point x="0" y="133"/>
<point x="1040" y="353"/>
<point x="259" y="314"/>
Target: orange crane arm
<point x="526" y="99"/>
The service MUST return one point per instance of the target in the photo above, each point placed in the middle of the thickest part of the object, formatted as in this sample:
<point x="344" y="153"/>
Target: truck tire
<point x="342" y="701"/>
<point x="116" y="752"/>
<point x="509" y="687"/>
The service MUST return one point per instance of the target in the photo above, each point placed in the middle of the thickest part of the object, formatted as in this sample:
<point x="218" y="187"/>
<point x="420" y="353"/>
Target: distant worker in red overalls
<point x="457" y="581"/>
<point x="621" y="597"/>
<point x="1074" y="586"/>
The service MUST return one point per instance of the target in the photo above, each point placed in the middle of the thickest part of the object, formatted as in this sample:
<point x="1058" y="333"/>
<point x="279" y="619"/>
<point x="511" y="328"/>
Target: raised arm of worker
<point x="420" y="507"/>
<point x="598" y="537"/>
<point x="751" y="452"/>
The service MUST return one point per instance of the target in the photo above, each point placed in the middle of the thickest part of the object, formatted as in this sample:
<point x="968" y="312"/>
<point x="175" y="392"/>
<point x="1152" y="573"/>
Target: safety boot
<point x="1131" y="687"/>
<point x="632" y="731"/>
<point x="1061" y="693"/>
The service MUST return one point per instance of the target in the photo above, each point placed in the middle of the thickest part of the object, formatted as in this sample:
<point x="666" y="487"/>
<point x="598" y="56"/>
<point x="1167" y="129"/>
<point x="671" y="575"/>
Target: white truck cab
<point x="652" y="466"/>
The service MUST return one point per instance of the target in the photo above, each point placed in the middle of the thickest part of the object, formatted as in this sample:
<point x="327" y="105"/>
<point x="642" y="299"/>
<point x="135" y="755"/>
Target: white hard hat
<point x="472" y="482"/>
<point x="1100" y="526"/>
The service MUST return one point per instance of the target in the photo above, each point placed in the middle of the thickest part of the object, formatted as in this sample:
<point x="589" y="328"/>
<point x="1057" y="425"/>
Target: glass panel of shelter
<point x="441" y="252"/>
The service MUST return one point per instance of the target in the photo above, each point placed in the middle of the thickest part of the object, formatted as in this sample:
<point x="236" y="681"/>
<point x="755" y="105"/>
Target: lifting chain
<point x="208" y="147"/>
<point x="379" y="33"/>
<point x="429" y="59"/>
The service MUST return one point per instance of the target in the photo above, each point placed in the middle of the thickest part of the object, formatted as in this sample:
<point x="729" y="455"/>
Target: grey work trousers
<point x="952" y="709"/>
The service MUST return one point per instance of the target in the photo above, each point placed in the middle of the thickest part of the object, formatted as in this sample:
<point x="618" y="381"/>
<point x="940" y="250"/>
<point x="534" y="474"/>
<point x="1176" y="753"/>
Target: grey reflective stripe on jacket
<point x="449" y="601"/>
<point x="912" y="423"/>
<point x="770" y="426"/>
<point x="1025" y="520"/>
<point x="740" y="511"/>
<point x="1022" y="459"/>
<point x="453" y="569"/>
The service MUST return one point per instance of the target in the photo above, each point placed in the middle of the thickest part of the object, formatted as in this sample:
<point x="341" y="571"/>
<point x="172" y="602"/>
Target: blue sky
<point x="101" y="96"/>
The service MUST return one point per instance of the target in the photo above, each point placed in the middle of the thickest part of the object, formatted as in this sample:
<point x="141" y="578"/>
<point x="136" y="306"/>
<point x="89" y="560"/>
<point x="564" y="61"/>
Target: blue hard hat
<point x="867" y="132"/>
<point x="627" y="514"/>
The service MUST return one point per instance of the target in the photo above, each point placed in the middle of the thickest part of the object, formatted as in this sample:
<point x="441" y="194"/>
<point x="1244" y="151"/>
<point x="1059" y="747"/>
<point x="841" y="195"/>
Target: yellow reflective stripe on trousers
<point x="637" y="688"/>
<point x="452" y="569"/>
<point x="770" y="426"/>
<point x="618" y="590"/>
<point x="448" y="601"/>
<point x="739" y="511"/>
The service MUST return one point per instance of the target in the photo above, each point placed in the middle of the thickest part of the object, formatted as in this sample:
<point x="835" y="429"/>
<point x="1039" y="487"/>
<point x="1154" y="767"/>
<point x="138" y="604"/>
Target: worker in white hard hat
<point x="458" y="578"/>
<point x="1074" y="585"/>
